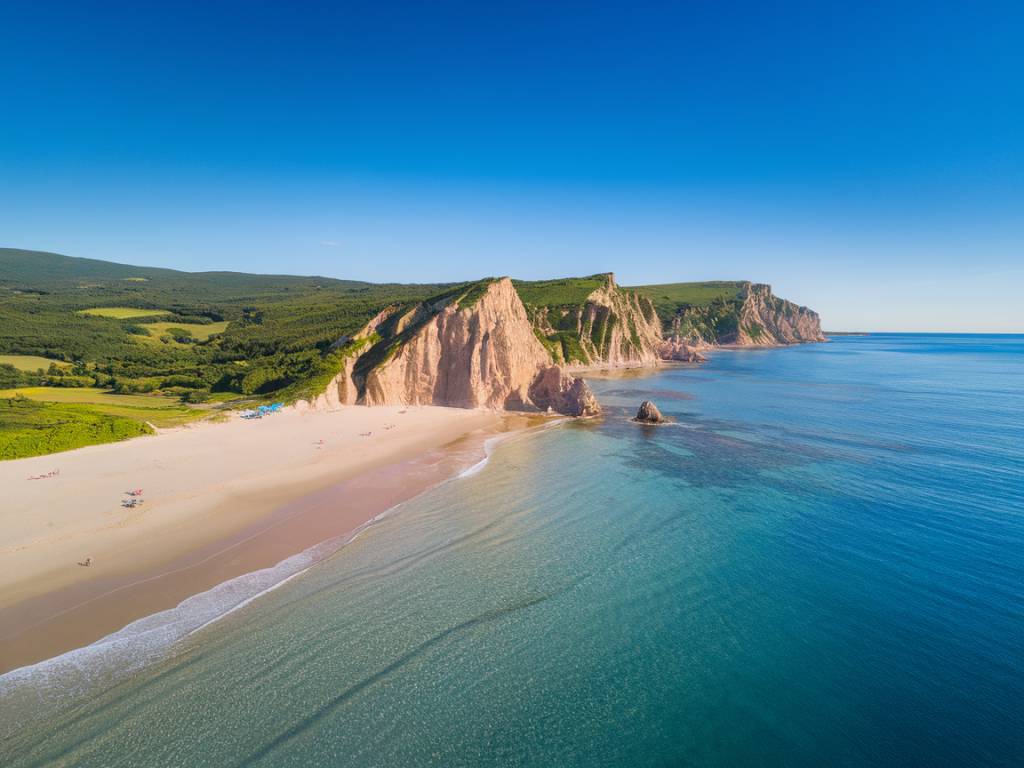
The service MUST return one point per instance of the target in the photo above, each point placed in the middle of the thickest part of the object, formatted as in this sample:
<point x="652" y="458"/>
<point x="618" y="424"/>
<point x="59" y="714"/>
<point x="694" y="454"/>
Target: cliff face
<point x="342" y="389"/>
<point x="481" y="356"/>
<point x="480" y="346"/>
<point x="610" y="327"/>
<point x="753" y="316"/>
<point x="767" y="319"/>
<point x="474" y="349"/>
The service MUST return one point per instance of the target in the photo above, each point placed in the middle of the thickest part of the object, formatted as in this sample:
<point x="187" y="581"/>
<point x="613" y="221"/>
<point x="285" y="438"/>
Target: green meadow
<point x="158" y="410"/>
<point x="179" y="333"/>
<point x="569" y="291"/>
<point x="690" y="294"/>
<point x="33" y="428"/>
<point x="122" y="313"/>
<point x="31" y="362"/>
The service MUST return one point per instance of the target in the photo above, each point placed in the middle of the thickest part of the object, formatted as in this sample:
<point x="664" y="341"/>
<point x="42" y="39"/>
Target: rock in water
<point x="681" y="351"/>
<point x="649" y="413"/>
<point x="558" y="391"/>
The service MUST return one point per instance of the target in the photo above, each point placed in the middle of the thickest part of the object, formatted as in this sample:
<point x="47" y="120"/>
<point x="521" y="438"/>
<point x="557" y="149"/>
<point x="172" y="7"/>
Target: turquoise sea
<point x="820" y="563"/>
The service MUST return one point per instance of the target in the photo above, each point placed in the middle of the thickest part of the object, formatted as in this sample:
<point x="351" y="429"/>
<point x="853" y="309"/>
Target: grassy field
<point x="122" y="313"/>
<point x="671" y="298"/>
<point x="693" y="294"/>
<point x="159" y="411"/>
<point x="34" y="428"/>
<point x="198" y="331"/>
<point x="570" y="291"/>
<point x="30" y="362"/>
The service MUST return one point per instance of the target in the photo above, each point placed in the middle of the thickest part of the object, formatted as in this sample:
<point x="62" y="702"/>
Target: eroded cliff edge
<point x="473" y="347"/>
<point x="583" y="322"/>
<point x="731" y="313"/>
<point x="508" y="345"/>
<point x="594" y="322"/>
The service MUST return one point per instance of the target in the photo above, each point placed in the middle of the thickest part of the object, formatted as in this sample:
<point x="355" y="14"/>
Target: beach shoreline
<point x="221" y="501"/>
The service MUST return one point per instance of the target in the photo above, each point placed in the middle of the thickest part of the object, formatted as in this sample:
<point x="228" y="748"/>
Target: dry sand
<point x="219" y="500"/>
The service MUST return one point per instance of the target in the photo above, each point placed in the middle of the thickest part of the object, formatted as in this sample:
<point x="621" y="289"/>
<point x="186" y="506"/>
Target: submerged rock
<point x="649" y="414"/>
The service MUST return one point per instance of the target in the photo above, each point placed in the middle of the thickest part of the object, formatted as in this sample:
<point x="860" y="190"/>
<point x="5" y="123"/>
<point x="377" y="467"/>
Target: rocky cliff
<point x="473" y="347"/>
<point x="764" y="318"/>
<point x="495" y="344"/>
<point x="607" y="326"/>
<point x="699" y="315"/>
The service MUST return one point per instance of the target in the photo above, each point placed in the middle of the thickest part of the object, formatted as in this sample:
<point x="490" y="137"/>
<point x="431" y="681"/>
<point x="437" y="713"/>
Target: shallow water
<point x="820" y="563"/>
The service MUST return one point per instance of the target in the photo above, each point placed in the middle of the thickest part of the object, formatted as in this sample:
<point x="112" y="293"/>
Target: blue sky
<point x="867" y="160"/>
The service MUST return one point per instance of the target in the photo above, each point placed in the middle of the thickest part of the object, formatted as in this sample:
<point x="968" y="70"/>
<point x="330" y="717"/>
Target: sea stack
<point x="557" y="391"/>
<point x="649" y="414"/>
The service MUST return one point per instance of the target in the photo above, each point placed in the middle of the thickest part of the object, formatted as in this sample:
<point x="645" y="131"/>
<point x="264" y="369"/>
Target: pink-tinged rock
<point x="484" y="355"/>
<point x="681" y="352"/>
<point x="558" y="391"/>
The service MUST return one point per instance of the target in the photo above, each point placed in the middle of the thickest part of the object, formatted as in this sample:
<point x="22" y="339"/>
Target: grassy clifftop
<point x="590" y="320"/>
<point x="669" y="298"/>
<point x="564" y="292"/>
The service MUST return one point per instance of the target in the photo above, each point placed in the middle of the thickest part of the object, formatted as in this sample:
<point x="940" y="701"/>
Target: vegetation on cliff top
<point x="569" y="291"/>
<point x="557" y="309"/>
<point x="669" y="298"/>
<point x="408" y="319"/>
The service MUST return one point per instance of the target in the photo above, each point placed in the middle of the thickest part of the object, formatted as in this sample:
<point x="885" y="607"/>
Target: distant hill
<point x="43" y="271"/>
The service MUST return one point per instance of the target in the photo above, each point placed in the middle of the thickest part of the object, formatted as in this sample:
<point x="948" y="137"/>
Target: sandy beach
<point x="219" y="500"/>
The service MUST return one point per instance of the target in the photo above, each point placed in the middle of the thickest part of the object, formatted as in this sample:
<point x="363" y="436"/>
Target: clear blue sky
<point x="867" y="160"/>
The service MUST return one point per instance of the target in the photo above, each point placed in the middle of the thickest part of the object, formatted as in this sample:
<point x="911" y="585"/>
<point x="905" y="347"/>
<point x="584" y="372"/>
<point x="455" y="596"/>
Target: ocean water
<point x="820" y="563"/>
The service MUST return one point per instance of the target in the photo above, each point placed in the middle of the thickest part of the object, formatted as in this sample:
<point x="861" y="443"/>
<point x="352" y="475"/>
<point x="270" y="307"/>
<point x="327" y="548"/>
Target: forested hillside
<point x="97" y="346"/>
<point x="139" y="329"/>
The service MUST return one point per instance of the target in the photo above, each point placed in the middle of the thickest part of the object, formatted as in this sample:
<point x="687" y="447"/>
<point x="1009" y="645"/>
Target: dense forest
<point x="80" y="338"/>
<point x="139" y="329"/>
